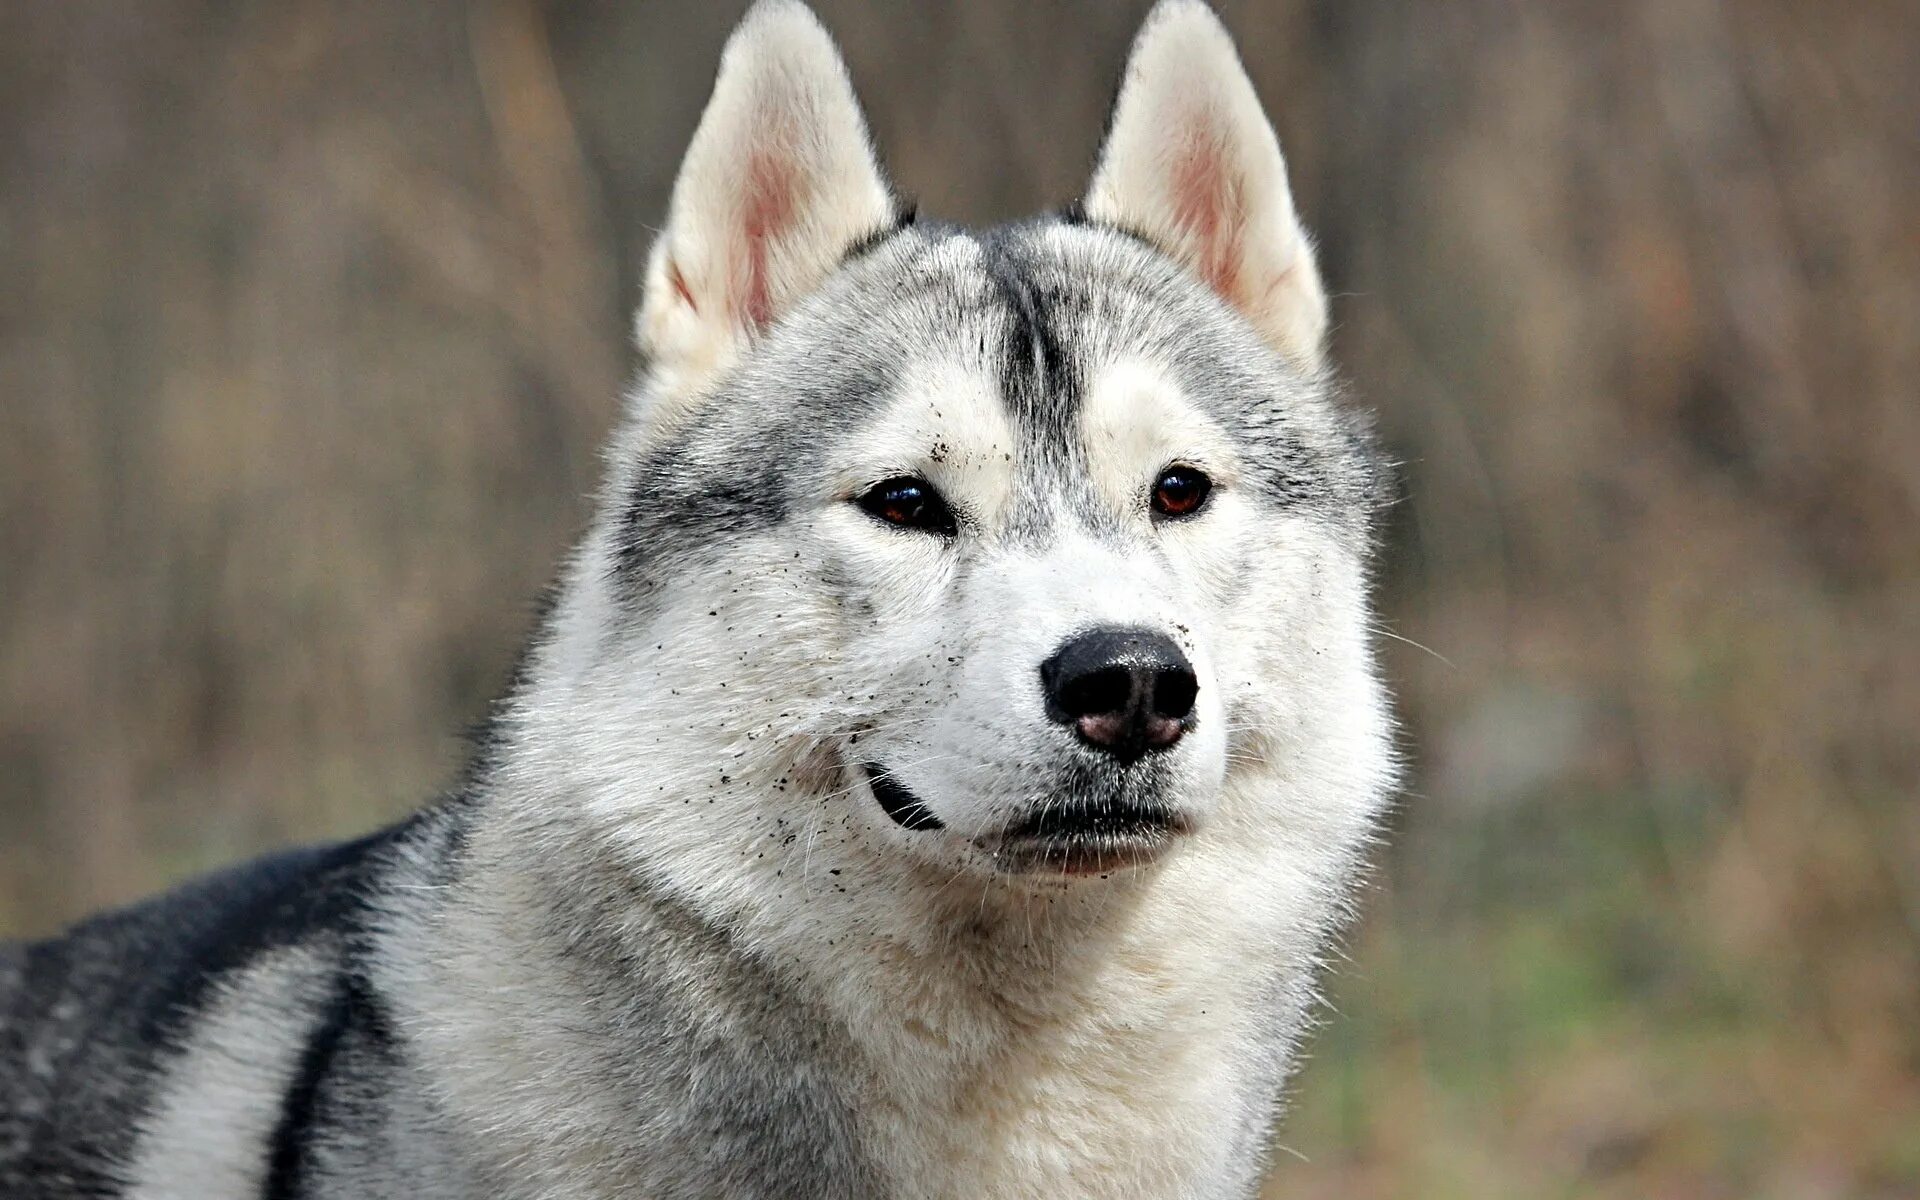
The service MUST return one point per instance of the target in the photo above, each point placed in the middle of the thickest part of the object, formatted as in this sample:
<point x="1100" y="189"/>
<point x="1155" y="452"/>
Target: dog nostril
<point x="1173" y="694"/>
<point x="1097" y="693"/>
<point x="1124" y="691"/>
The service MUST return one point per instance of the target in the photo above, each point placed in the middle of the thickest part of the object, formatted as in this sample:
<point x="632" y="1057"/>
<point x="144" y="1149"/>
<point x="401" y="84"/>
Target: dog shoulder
<point x="223" y="986"/>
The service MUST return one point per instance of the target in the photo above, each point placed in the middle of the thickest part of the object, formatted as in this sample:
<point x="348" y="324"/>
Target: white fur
<point x="208" y="1131"/>
<point x="778" y="181"/>
<point x="1192" y="163"/>
<point x="1024" y="1038"/>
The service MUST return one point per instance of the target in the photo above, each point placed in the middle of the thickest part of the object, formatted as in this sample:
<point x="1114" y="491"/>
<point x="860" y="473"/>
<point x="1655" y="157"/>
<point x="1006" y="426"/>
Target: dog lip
<point x="1080" y="839"/>
<point x="1076" y="822"/>
<point x="906" y="809"/>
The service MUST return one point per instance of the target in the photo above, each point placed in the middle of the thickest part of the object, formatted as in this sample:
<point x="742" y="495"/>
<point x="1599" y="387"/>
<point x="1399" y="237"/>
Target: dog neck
<point x="1010" y="1038"/>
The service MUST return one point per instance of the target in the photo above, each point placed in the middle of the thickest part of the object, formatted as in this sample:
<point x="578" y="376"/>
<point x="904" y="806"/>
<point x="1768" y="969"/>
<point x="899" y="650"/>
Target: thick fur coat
<point x="946" y="760"/>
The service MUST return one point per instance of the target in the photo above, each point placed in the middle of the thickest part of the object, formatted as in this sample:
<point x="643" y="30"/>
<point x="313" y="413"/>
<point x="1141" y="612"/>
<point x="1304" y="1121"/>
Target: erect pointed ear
<point x="1192" y="164"/>
<point x="777" y="184"/>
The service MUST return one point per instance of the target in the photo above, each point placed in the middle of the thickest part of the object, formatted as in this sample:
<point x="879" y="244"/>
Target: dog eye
<point x="1180" y="491"/>
<point x="909" y="503"/>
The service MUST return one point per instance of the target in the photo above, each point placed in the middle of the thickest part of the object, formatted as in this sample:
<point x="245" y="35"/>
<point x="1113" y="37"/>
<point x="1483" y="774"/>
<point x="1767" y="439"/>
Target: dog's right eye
<point x="909" y="503"/>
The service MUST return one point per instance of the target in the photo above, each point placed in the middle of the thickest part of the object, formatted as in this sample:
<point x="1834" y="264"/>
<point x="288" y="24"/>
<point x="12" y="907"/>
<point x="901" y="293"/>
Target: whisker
<point x="1383" y="631"/>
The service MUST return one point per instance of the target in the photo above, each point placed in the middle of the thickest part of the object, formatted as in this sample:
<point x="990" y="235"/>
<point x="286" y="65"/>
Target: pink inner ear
<point x="766" y="212"/>
<point x="1207" y="203"/>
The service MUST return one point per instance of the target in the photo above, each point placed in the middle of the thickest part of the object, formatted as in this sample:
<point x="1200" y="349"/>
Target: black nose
<point x="1124" y="691"/>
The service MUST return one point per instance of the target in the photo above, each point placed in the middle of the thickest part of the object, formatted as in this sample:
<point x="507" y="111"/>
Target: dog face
<point x="1014" y="550"/>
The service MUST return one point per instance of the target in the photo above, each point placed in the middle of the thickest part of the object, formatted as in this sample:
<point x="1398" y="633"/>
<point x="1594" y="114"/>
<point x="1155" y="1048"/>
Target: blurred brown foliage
<point x="314" y="314"/>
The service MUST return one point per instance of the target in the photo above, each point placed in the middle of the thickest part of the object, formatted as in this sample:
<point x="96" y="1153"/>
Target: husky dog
<point x="947" y="757"/>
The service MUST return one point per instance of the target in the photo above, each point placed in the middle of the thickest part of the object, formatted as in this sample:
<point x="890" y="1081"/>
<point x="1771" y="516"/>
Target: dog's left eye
<point x="909" y="503"/>
<point x="1180" y="491"/>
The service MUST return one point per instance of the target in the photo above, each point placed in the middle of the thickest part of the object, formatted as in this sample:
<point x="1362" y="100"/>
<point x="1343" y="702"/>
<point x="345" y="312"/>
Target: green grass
<point x="1535" y="1008"/>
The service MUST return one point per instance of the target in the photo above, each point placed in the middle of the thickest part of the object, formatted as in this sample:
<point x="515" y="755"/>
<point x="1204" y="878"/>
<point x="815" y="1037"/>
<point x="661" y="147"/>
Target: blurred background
<point x="313" y="314"/>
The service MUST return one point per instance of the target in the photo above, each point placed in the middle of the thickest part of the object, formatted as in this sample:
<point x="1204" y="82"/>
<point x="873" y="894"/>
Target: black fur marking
<point x="232" y="918"/>
<point x="1048" y="314"/>
<point x="1038" y="377"/>
<point x="747" y="459"/>
<point x="353" y="1010"/>
<point x="288" y="1145"/>
<point x="117" y="997"/>
<point x="674" y="498"/>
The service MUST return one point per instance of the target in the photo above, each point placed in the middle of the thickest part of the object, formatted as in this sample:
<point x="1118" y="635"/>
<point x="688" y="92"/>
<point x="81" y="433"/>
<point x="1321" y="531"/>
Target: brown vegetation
<point x="314" y="314"/>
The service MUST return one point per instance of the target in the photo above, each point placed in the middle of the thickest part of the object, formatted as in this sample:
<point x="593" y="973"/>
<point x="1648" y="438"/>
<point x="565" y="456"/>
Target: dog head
<point x="1011" y="551"/>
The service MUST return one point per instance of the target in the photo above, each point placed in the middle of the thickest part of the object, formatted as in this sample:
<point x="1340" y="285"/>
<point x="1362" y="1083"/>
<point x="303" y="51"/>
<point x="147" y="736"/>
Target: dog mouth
<point x="1072" y="837"/>
<point x="1090" y="838"/>
<point x="906" y="809"/>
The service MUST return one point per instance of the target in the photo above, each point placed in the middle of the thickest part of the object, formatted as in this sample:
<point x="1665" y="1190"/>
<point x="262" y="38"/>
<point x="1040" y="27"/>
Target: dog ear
<point x="777" y="184"/>
<point x="1192" y="165"/>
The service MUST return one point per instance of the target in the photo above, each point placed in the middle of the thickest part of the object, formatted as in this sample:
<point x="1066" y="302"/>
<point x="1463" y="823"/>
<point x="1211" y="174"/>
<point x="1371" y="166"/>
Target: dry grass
<point x="316" y="313"/>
